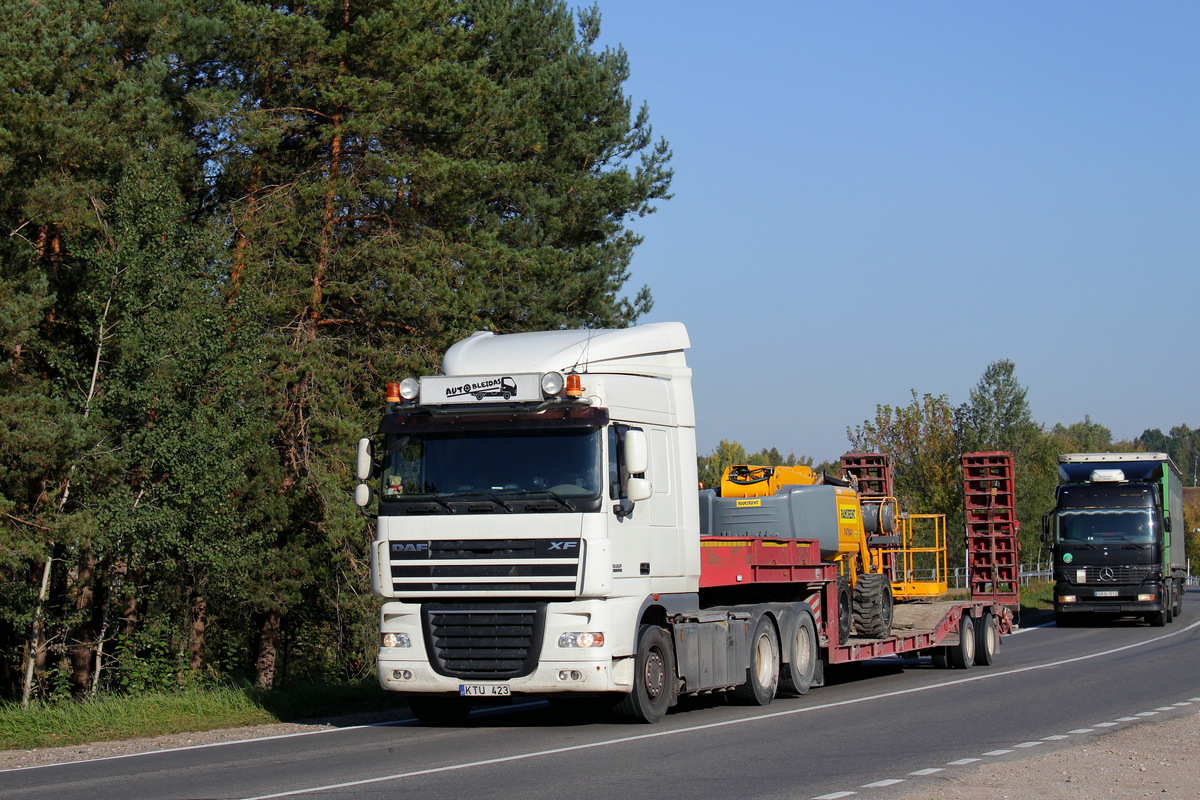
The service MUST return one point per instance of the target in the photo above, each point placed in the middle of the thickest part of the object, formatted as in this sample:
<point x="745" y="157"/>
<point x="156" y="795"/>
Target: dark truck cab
<point x="1111" y="535"/>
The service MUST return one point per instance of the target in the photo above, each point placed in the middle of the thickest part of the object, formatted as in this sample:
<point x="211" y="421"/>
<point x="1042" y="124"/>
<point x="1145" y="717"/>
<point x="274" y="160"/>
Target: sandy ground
<point x="1144" y="759"/>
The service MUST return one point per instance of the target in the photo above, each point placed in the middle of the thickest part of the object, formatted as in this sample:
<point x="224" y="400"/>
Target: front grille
<point x="493" y="641"/>
<point x="1110" y="575"/>
<point x="494" y="567"/>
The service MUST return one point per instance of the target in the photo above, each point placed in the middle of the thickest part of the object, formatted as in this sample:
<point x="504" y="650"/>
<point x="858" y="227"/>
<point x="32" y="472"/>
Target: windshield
<point x="498" y="465"/>
<point x="1101" y="526"/>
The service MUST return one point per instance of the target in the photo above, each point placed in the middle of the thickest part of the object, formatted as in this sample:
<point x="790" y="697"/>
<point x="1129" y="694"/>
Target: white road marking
<point x="883" y="783"/>
<point x="930" y="771"/>
<point x="997" y="752"/>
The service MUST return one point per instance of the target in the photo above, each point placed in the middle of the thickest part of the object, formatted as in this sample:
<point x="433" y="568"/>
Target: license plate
<point x="1106" y="593"/>
<point x="484" y="690"/>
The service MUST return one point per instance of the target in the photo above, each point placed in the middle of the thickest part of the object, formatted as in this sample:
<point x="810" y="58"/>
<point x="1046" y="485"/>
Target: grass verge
<point x="54" y="724"/>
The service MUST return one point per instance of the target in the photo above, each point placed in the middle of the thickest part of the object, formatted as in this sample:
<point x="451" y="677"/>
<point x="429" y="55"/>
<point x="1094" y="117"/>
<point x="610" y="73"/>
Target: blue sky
<point x="872" y="198"/>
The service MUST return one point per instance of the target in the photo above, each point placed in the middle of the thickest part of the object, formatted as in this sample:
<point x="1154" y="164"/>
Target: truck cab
<point x="544" y="481"/>
<point x="1111" y="537"/>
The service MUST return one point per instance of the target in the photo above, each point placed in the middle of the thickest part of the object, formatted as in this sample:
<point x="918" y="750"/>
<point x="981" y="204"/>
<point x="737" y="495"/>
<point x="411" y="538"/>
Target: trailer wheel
<point x="873" y="606"/>
<point x="439" y="711"/>
<point x="653" y="678"/>
<point x="987" y="639"/>
<point x="802" y="661"/>
<point x="762" y="676"/>
<point x="844" y="610"/>
<point x="1179" y="590"/>
<point x="962" y="655"/>
<point x="941" y="657"/>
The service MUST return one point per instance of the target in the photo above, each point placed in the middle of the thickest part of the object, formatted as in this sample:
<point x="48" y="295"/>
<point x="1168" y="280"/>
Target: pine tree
<point x="401" y="173"/>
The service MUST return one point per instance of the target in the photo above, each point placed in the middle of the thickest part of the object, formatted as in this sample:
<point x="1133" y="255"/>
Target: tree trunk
<point x="198" y="619"/>
<point x="34" y="650"/>
<point x="268" y="650"/>
<point x="83" y="644"/>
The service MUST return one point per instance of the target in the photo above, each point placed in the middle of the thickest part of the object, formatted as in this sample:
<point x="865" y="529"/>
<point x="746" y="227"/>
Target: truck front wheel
<point x="653" y="678"/>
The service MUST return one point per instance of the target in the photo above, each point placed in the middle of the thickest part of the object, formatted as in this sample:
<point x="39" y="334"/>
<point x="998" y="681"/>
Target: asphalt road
<point x="873" y="731"/>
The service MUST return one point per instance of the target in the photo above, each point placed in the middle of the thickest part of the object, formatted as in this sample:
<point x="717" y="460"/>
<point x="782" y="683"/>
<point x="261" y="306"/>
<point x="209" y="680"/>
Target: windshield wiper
<point x="567" y="504"/>
<point x="555" y="496"/>
<point x="443" y="503"/>
<point x="498" y="501"/>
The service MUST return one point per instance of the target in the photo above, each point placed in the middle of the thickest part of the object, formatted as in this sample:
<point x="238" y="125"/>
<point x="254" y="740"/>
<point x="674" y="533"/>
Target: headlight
<point x="410" y="388"/>
<point x="396" y="640"/>
<point x="552" y="383"/>
<point x="581" y="640"/>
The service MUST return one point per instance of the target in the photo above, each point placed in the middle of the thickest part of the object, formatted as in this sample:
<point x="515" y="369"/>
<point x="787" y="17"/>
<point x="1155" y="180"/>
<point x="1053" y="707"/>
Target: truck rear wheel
<point x="801" y="669"/>
<point x="987" y="639"/>
<point x="653" y="678"/>
<point x="439" y="710"/>
<point x="873" y="606"/>
<point x="962" y="655"/>
<point x="762" y="676"/>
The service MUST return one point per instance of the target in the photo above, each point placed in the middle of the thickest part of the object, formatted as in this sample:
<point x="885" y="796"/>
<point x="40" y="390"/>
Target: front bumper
<point x="558" y="670"/>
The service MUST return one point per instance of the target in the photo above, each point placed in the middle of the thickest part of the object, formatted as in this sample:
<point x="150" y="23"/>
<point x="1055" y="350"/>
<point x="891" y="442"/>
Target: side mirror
<point x="365" y="463"/>
<point x="1045" y="528"/>
<point x="362" y="495"/>
<point x="638" y="489"/>
<point x="637" y="456"/>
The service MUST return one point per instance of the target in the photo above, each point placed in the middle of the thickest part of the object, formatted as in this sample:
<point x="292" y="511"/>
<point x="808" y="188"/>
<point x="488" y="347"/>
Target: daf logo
<point x="1106" y="574"/>
<point x="410" y="547"/>
<point x="563" y="545"/>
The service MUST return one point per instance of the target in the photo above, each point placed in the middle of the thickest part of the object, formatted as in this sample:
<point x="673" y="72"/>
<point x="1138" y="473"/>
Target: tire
<point x="1064" y="620"/>
<point x="1157" y="619"/>
<point x="941" y="657"/>
<point x="1179" y="590"/>
<point x="987" y="639"/>
<point x="962" y="655"/>
<point x="653" y="678"/>
<point x="438" y="710"/>
<point x="797" y="677"/>
<point x="873" y="606"/>
<point x="844" y="611"/>
<point x="762" y="676"/>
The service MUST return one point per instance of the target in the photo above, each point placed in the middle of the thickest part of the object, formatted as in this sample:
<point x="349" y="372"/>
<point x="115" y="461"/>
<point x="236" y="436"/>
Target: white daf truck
<point x="539" y="533"/>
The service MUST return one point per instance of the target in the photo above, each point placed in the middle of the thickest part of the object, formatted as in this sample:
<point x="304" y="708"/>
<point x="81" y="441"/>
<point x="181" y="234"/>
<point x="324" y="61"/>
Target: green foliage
<point x="1182" y="444"/>
<point x="922" y="441"/>
<point x="228" y="225"/>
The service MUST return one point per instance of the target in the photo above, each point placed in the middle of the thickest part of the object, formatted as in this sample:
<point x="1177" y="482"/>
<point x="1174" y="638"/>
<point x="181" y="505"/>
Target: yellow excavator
<point x="863" y="534"/>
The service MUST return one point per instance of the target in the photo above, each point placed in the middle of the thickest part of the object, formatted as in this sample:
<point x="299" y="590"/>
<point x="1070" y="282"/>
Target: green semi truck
<point x="1117" y="537"/>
